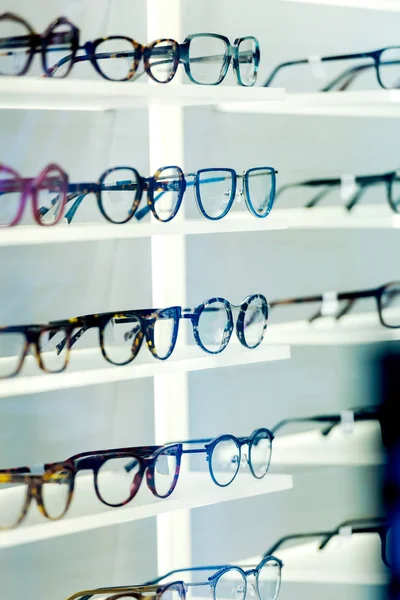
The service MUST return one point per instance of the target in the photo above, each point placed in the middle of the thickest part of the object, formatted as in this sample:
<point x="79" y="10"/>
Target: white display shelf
<point x="87" y="512"/>
<point x="351" y="329"/>
<point x="365" y="103"/>
<point x="393" y="5"/>
<point x="355" y="559"/>
<point x="330" y="217"/>
<point x="69" y="94"/>
<point x="34" y="234"/>
<point x="88" y="367"/>
<point x="362" y="446"/>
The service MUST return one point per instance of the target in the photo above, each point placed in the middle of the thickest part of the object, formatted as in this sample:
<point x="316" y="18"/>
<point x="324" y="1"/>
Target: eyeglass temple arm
<point x="25" y="41"/>
<point x="294" y="536"/>
<point x="187" y="570"/>
<point x="137" y="590"/>
<point x="340" y="296"/>
<point x="355" y="525"/>
<point x="84" y="58"/>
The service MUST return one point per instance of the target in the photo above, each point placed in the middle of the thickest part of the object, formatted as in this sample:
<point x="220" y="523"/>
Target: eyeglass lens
<point x="13" y="496"/>
<point x="269" y="580"/>
<point x="14" y="47"/>
<point x="58" y="49"/>
<point x="207" y="59"/>
<point x="120" y="191"/>
<point x="390" y="305"/>
<point x="225" y="461"/>
<point x="168" y="190"/>
<point x="231" y="585"/>
<point x="247" y="61"/>
<point x="116" y="58"/>
<point x="213" y="325"/>
<point x="389" y="68"/>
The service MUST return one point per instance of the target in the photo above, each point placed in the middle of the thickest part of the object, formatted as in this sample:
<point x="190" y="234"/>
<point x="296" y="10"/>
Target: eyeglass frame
<point x="374" y="54"/>
<point x="221" y="570"/>
<point x="363" y="182"/>
<point x="181" y="55"/>
<point x="378" y="525"/>
<point x="29" y="187"/>
<point x="35" y="481"/>
<point x="37" y="41"/>
<point x="376" y="293"/>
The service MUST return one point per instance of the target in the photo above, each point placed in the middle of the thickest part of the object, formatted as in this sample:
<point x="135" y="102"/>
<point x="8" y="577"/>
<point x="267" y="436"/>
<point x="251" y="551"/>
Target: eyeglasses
<point x="17" y="341"/>
<point x="330" y="421"/>
<point x="16" y="191"/>
<point x="357" y="526"/>
<point x="387" y="301"/>
<point x="120" y="191"/>
<point x="19" y="43"/>
<point x="52" y="489"/>
<point x="385" y="61"/>
<point x="233" y="582"/>
<point x="206" y="58"/>
<point x="121" y="334"/>
<point x="118" y="473"/>
<point x="354" y="191"/>
<point x="227" y="582"/>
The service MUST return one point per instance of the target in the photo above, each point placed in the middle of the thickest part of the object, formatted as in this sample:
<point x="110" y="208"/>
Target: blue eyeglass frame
<point x="212" y="581"/>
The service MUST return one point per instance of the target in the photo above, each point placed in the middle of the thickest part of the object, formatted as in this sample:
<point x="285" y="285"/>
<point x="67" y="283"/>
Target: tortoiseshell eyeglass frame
<point x="32" y="338"/>
<point x="57" y="473"/>
<point x="146" y="319"/>
<point x="362" y="182"/>
<point x="350" y="298"/>
<point x="42" y="43"/>
<point x="347" y="77"/>
<point x="139" y="592"/>
<point x="52" y="179"/>
<point x="171" y="54"/>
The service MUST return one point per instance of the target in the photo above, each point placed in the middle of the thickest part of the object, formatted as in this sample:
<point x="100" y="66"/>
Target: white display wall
<point x="43" y="282"/>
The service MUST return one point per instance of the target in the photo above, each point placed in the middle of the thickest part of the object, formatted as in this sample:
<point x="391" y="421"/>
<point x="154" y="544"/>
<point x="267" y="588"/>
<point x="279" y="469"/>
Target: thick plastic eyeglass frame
<point x="349" y="74"/>
<point x="362" y="525"/>
<point x="139" y="592"/>
<point x="40" y="43"/>
<point x="57" y="473"/>
<point x="330" y="421"/>
<point x="351" y="298"/>
<point x="177" y="53"/>
<point x="29" y="188"/>
<point x="32" y="334"/>
<point x="221" y="570"/>
<point x="363" y="182"/>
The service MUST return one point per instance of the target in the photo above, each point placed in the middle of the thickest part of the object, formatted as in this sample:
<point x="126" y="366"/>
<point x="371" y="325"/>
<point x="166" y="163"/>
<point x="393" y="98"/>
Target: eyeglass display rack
<point x="165" y="104"/>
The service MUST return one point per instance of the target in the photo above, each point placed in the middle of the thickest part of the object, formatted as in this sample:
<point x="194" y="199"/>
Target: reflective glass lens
<point x="231" y="585"/>
<point x="11" y="192"/>
<point x="260" y="188"/>
<point x="118" y="480"/>
<point x="390" y="305"/>
<point x="120" y="194"/>
<point x="60" y="45"/>
<point x="51" y="191"/>
<point x="117" y="58"/>
<point x="260" y="453"/>
<point x="14" y="47"/>
<point x="163" y="59"/>
<point x="167" y="192"/>
<point x="394" y="198"/>
<point x="214" y="326"/>
<point x="54" y="348"/>
<point x="389" y="68"/>
<point x="207" y="59"/>
<point x="12" y="348"/>
<point x="165" y="470"/>
<point x="225" y="461"/>
<point x="56" y="493"/>
<point x="122" y="338"/>
<point x="388" y="549"/>
<point x="248" y="61"/>
<point x="215" y="191"/>
<point x="164" y="331"/>
<point x="13" y="496"/>
<point x="255" y="319"/>
<point x="269" y="580"/>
